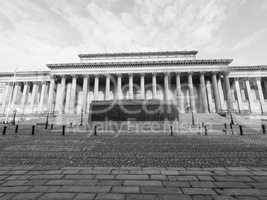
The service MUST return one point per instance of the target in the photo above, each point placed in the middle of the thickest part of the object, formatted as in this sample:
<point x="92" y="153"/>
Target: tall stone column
<point x="228" y="92"/>
<point x="15" y="94"/>
<point x="221" y="93"/>
<point x="73" y="94"/>
<point x="166" y="86"/>
<point x="5" y="97"/>
<point x="85" y="92"/>
<point x="67" y="107"/>
<point x="107" y="89"/>
<point x="261" y="97"/>
<point x="34" y="93"/>
<point x="63" y="94"/>
<point x="24" y="95"/>
<point x="191" y="93"/>
<point x="238" y="94"/>
<point x="96" y="87"/>
<point x="41" y="103"/>
<point x="131" y="86"/>
<point x="179" y="93"/>
<point x="51" y="95"/>
<point x="250" y="100"/>
<point x="203" y="93"/>
<point x="216" y="92"/>
<point x="142" y="86"/>
<point x="154" y="85"/>
<point x="58" y="97"/>
<point x="209" y="96"/>
<point x="119" y="93"/>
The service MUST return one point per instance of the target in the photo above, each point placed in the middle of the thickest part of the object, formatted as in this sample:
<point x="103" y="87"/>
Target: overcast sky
<point x="36" y="32"/>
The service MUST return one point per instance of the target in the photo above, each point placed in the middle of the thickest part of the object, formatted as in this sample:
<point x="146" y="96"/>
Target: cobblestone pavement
<point x="140" y="151"/>
<point x="143" y="167"/>
<point x="132" y="183"/>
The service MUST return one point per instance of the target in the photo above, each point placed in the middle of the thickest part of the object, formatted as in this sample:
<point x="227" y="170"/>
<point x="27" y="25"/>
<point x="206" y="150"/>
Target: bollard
<point x="33" y="129"/>
<point x="263" y="129"/>
<point x="16" y="129"/>
<point x="225" y="128"/>
<point x="4" y="130"/>
<point x="95" y="133"/>
<point x="171" y="131"/>
<point x="206" y="130"/>
<point x="63" y="130"/>
<point x="52" y="126"/>
<point x="231" y="127"/>
<point x="241" y="130"/>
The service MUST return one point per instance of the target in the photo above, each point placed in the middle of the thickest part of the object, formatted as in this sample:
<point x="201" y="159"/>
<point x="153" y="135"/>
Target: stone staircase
<point x="207" y="118"/>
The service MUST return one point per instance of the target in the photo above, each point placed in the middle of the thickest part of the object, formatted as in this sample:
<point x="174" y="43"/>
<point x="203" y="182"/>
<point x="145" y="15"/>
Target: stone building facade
<point x="179" y="77"/>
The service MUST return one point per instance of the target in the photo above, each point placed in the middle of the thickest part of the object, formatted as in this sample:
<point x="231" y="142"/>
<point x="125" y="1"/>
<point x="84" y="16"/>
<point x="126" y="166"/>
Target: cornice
<point x="152" y="53"/>
<point x="248" y="68"/>
<point x="142" y="63"/>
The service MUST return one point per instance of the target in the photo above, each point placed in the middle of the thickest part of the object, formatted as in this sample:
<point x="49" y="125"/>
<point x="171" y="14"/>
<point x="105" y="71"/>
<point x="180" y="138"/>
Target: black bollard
<point x="4" y="130"/>
<point x="63" y="130"/>
<point x="241" y="130"/>
<point x="52" y="126"/>
<point x="225" y="128"/>
<point x="16" y="129"/>
<point x="231" y="127"/>
<point x="206" y="130"/>
<point x="263" y="129"/>
<point x="95" y="133"/>
<point x="171" y="131"/>
<point x="33" y="129"/>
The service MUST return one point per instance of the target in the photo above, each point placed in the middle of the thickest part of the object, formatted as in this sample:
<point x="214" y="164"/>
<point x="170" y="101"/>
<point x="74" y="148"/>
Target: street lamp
<point x="81" y="123"/>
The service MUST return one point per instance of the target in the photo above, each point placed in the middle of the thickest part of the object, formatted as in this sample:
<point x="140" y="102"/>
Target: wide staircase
<point x="199" y="118"/>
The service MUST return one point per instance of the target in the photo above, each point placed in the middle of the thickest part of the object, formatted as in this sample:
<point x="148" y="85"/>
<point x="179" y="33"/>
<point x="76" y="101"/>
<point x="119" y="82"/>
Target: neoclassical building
<point x="179" y="77"/>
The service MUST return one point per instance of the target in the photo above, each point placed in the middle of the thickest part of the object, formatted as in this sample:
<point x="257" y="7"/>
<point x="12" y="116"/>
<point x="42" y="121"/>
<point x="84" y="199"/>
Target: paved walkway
<point x="140" y="151"/>
<point x="132" y="183"/>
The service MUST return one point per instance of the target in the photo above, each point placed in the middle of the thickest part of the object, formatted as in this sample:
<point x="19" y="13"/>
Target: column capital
<point x="236" y="78"/>
<point x="258" y="78"/>
<point x="74" y="75"/>
<point x="190" y="73"/>
<point x="43" y="82"/>
<point x="225" y="73"/>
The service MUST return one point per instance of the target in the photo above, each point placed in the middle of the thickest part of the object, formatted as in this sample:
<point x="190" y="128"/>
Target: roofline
<point x="141" y="63"/>
<point x="152" y="53"/>
<point x="248" y="67"/>
<point x="26" y="72"/>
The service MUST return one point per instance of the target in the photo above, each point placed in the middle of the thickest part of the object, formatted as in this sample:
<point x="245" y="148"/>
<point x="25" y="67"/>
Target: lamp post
<point x="46" y="123"/>
<point x="81" y="123"/>
<point x="193" y="118"/>
<point x="14" y="117"/>
<point x="231" y="117"/>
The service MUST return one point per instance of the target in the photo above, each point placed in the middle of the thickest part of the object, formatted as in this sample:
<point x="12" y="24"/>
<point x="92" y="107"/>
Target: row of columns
<point x="12" y="90"/>
<point x="62" y="92"/>
<point x="119" y="94"/>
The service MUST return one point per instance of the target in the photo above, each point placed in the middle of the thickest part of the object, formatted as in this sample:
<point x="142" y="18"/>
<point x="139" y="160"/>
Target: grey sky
<point x="36" y="32"/>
